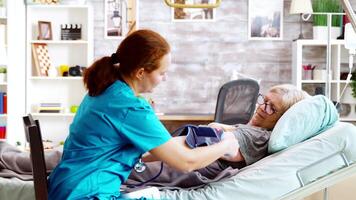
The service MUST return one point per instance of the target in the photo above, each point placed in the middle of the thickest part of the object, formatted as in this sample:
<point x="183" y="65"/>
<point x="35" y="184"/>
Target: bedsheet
<point x="16" y="189"/>
<point x="275" y="175"/>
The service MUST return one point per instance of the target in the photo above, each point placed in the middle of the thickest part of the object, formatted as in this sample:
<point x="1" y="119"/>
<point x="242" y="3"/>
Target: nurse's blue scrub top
<point x="107" y="137"/>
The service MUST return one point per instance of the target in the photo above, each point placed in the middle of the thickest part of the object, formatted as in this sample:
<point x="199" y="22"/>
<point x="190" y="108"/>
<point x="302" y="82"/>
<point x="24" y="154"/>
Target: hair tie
<point x="114" y="58"/>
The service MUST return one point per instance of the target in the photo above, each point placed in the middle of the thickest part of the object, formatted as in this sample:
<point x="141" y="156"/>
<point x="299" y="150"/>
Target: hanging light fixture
<point x="179" y="5"/>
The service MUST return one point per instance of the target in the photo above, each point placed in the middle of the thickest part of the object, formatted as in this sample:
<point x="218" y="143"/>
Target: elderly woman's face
<point x="269" y="112"/>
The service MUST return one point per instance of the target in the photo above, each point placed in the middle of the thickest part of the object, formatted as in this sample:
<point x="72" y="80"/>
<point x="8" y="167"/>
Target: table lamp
<point x="301" y="7"/>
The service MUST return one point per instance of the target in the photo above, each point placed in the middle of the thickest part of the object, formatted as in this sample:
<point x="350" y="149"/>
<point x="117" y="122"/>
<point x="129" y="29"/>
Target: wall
<point x="205" y="53"/>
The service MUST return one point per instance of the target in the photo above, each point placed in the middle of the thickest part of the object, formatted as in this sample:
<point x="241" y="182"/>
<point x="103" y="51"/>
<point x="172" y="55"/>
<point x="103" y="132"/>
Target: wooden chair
<point x="33" y="136"/>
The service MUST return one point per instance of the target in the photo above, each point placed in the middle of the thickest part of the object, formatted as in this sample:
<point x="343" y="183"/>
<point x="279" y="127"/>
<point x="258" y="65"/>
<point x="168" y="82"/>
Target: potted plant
<point x="2" y="74"/>
<point x="320" y="26"/>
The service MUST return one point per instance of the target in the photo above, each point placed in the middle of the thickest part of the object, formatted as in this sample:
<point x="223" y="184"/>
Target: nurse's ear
<point x="140" y="73"/>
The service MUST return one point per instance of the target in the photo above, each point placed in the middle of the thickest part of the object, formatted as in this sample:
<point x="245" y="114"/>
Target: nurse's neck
<point x="131" y="83"/>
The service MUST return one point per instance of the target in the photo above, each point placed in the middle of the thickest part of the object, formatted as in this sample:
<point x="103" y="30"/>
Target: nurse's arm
<point x="178" y="155"/>
<point x="148" y="157"/>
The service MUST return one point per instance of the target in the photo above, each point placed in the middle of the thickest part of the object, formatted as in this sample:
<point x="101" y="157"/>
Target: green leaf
<point x="329" y="6"/>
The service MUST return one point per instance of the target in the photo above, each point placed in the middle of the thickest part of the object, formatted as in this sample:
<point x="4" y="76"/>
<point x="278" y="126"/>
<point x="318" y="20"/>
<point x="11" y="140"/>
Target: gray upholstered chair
<point x="236" y="101"/>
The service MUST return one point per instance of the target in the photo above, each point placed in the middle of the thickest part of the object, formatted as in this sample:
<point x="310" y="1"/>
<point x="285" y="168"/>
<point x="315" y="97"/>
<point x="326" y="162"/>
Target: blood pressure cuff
<point x="197" y="136"/>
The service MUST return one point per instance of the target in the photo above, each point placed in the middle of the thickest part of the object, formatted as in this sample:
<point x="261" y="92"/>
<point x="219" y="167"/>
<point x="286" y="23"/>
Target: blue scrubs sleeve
<point x="144" y="130"/>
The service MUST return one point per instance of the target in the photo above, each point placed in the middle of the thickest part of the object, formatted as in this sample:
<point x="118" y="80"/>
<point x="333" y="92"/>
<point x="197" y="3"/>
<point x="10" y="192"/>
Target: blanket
<point x="17" y="163"/>
<point x="173" y="179"/>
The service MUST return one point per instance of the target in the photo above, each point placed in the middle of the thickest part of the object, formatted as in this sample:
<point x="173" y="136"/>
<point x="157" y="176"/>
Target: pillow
<point x="303" y="120"/>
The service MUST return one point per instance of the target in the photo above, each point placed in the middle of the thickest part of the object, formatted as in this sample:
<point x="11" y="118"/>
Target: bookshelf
<point x="66" y="90"/>
<point x="3" y="67"/>
<point x="339" y="67"/>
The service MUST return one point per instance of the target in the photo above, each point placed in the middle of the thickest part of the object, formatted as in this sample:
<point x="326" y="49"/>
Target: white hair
<point x="290" y="94"/>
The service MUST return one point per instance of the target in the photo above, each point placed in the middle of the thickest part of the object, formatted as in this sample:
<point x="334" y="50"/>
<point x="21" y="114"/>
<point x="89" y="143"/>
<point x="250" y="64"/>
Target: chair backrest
<point x="33" y="134"/>
<point x="236" y="101"/>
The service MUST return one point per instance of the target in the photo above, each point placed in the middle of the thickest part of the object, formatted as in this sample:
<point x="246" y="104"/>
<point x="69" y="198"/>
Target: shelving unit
<point x="3" y="64"/>
<point x="339" y="66"/>
<point x="67" y="91"/>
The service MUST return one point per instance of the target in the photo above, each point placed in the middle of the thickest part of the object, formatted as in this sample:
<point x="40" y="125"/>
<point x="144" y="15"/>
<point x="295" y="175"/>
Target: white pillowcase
<point x="303" y="120"/>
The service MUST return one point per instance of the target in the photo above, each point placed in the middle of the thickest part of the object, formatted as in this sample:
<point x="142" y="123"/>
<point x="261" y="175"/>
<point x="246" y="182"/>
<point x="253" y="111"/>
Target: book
<point x="5" y="103"/>
<point x="2" y="132"/>
<point x="1" y="102"/>
<point x="49" y="111"/>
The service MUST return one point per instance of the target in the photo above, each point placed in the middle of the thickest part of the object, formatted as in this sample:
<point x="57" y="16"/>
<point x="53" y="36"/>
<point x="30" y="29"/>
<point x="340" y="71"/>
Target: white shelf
<point x="60" y="41"/>
<point x="3" y="115"/>
<point x="3" y="84"/>
<point x="322" y="81"/>
<point x="56" y="78"/>
<point x="3" y="140"/>
<point x="68" y="90"/>
<point x="310" y="42"/>
<point x="333" y="83"/>
<point x="53" y="114"/>
<point x="312" y="81"/>
<point x="58" y="6"/>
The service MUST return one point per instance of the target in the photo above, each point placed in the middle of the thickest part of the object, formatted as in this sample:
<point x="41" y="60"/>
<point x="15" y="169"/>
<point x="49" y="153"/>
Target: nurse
<point x="114" y="126"/>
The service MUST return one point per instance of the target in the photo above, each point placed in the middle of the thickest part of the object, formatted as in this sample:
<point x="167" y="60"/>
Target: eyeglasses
<point x="269" y="109"/>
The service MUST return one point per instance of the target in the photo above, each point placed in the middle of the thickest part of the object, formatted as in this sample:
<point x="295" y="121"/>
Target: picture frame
<point x="120" y="18"/>
<point x="44" y="30"/>
<point x="193" y="14"/>
<point x="34" y="2"/>
<point x="265" y="20"/>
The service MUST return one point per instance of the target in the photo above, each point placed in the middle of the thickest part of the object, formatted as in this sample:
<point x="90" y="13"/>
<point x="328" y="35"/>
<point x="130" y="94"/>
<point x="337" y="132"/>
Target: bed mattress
<point x="276" y="175"/>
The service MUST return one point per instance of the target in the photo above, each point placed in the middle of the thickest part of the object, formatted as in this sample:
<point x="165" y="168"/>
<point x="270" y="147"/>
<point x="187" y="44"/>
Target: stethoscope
<point x="140" y="167"/>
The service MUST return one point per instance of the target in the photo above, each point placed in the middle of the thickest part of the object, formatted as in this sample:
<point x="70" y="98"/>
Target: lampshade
<point x="301" y="6"/>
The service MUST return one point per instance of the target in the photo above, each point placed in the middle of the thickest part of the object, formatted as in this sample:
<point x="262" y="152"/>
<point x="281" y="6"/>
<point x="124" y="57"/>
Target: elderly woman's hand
<point x="224" y="127"/>
<point x="233" y="151"/>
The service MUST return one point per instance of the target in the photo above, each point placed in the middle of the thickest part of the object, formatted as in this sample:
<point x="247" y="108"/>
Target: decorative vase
<point x="321" y="32"/>
<point x="2" y="77"/>
<point x="2" y="11"/>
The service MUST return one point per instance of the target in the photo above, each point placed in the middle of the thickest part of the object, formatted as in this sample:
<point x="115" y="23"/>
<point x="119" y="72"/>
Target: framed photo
<point x="193" y="14"/>
<point x="120" y="18"/>
<point x="265" y="20"/>
<point x="44" y="30"/>
<point x="30" y="2"/>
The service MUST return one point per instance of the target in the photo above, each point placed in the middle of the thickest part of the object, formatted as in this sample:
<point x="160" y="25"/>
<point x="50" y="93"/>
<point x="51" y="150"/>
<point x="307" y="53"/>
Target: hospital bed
<point x="294" y="173"/>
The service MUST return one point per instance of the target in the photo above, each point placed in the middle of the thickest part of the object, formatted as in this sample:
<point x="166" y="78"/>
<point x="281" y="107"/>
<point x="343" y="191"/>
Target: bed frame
<point x="322" y="183"/>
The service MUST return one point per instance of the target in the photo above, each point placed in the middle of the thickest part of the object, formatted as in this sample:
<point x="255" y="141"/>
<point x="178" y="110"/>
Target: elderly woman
<point x="252" y="138"/>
